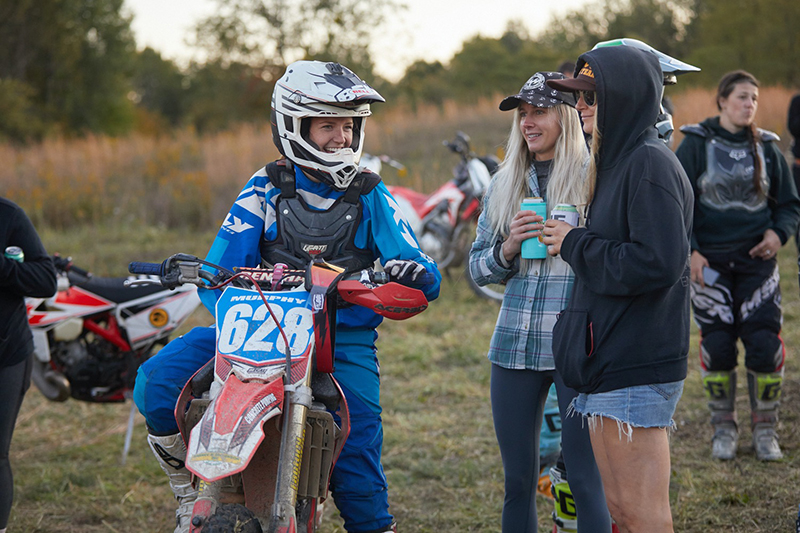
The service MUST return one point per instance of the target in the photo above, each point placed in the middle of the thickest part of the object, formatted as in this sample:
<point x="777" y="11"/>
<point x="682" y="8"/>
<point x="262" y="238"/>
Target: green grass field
<point x="440" y="452"/>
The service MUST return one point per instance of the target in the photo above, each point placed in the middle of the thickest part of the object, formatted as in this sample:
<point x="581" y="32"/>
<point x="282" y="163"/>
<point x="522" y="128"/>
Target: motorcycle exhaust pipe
<point x="53" y="385"/>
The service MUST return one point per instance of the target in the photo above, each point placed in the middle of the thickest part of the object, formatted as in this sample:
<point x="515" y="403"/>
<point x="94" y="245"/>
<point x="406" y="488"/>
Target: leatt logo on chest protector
<point x="314" y="249"/>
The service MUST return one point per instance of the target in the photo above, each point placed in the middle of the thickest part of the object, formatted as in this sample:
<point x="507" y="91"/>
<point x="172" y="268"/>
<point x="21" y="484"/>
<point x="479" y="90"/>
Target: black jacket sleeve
<point x="794" y="124"/>
<point x="36" y="275"/>
<point x="794" y="118"/>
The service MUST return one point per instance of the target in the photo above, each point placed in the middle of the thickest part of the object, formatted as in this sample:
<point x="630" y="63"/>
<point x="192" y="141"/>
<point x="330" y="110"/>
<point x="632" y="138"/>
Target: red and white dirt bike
<point x="92" y="336"/>
<point x="265" y="420"/>
<point x="445" y="220"/>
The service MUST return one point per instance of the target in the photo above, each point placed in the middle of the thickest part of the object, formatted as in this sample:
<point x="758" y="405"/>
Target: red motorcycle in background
<point x="92" y="336"/>
<point x="445" y="220"/>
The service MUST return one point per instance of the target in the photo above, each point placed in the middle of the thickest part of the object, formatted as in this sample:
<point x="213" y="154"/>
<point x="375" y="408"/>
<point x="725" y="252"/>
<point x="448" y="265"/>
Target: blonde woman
<point x="546" y="157"/>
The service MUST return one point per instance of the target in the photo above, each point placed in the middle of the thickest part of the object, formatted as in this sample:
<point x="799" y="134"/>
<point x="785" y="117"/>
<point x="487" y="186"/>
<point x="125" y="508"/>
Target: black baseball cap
<point x="537" y="93"/>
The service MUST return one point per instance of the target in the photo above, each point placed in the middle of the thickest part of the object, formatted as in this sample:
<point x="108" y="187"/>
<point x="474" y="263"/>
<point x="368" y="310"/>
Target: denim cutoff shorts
<point x="643" y="406"/>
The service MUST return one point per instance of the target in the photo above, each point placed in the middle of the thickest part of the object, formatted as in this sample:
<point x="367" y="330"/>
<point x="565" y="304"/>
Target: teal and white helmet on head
<point x="311" y="89"/>
<point x="671" y="68"/>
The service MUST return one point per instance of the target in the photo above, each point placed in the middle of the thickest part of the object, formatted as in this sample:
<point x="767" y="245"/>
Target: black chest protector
<point x="305" y="233"/>
<point x="727" y="182"/>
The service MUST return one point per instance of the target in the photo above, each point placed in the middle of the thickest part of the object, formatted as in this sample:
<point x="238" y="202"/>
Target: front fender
<point x="225" y="439"/>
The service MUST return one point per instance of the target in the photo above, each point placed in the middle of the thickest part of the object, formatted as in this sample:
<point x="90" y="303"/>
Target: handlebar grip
<point x="79" y="271"/>
<point x="426" y="278"/>
<point x="150" y="269"/>
<point x="379" y="277"/>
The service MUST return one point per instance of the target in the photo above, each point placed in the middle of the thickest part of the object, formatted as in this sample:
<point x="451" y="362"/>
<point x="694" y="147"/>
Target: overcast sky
<point x="429" y="29"/>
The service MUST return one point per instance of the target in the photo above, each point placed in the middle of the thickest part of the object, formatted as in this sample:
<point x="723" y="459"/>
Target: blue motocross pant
<point x="358" y="483"/>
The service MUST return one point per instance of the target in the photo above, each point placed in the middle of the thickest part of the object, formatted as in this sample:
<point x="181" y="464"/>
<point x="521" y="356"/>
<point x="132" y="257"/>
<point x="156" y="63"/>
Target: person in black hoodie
<point x="793" y="122"/>
<point x="623" y="340"/>
<point x="30" y="275"/>
<point x="747" y="208"/>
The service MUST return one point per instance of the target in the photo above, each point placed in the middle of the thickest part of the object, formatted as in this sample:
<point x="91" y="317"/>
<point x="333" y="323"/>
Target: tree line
<point x="71" y="67"/>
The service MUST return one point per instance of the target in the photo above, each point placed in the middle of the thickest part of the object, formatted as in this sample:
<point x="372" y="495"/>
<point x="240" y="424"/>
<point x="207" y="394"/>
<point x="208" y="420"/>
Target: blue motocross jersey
<point x="383" y="229"/>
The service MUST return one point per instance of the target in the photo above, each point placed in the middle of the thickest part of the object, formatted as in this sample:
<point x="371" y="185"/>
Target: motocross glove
<point x="403" y="270"/>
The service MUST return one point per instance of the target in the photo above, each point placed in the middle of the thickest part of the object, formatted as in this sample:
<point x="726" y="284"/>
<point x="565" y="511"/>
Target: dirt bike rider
<point x="314" y="203"/>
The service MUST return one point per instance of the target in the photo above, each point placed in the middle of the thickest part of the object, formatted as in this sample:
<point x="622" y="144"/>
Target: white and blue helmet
<point x="317" y="89"/>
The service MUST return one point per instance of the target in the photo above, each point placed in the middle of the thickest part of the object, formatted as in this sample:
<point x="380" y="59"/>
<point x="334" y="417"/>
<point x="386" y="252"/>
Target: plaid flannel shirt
<point x="523" y="335"/>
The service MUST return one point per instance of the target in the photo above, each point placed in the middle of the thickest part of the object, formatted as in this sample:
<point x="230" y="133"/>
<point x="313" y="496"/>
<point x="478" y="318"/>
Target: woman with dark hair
<point x="746" y="208"/>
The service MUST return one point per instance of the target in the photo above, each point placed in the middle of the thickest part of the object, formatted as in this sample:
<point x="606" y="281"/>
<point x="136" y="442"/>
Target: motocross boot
<point x="565" y="514"/>
<point x="720" y="390"/>
<point x="170" y="451"/>
<point x="765" y="395"/>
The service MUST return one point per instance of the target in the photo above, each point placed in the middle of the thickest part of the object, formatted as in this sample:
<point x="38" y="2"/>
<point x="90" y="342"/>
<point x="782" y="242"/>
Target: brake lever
<point x="141" y="282"/>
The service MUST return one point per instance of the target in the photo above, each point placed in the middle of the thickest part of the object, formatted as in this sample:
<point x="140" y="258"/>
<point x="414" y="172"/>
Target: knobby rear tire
<point x="232" y="518"/>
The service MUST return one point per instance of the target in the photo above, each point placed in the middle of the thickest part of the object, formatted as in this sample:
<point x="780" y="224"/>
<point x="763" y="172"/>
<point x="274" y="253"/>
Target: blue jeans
<point x="358" y="483"/>
<point x="644" y="406"/>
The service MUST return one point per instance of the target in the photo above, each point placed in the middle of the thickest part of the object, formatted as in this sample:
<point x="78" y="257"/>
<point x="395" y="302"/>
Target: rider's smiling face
<point x="331" y="133"/>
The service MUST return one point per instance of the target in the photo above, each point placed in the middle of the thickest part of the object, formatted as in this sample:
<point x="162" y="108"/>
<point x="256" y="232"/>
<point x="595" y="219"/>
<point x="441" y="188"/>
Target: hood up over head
<point x="629" y="85"/>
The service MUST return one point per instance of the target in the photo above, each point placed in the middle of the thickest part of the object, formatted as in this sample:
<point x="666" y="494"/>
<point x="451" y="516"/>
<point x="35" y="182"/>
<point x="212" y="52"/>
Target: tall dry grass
<point x="188" y="180"/>
<point x="178" y="180"/>
<point x="694" y="105"/>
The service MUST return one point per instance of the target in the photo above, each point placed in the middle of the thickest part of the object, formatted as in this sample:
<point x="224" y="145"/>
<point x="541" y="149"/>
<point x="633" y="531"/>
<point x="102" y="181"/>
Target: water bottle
<point x="534" y="248"/>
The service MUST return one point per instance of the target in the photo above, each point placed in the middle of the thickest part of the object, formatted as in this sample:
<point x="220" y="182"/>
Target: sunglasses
<point x="589" y="97"/>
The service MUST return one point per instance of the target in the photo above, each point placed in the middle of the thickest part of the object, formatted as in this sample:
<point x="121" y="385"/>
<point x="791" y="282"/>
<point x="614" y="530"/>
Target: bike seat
<point x="324" y="390"/>
<point x="201" y="381"/>
<point x="113" y="289"/>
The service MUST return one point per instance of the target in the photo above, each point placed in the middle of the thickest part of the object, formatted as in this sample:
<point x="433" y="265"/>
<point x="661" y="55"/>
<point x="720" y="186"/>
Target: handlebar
<point x="381" y="278"/>
<point x="183" y="268"/>
<point x="460" y="145"/>
<point x="64" y="264"/>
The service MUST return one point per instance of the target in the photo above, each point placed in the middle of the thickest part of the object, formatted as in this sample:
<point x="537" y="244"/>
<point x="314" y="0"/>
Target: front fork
<point x="297" y="399"/>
